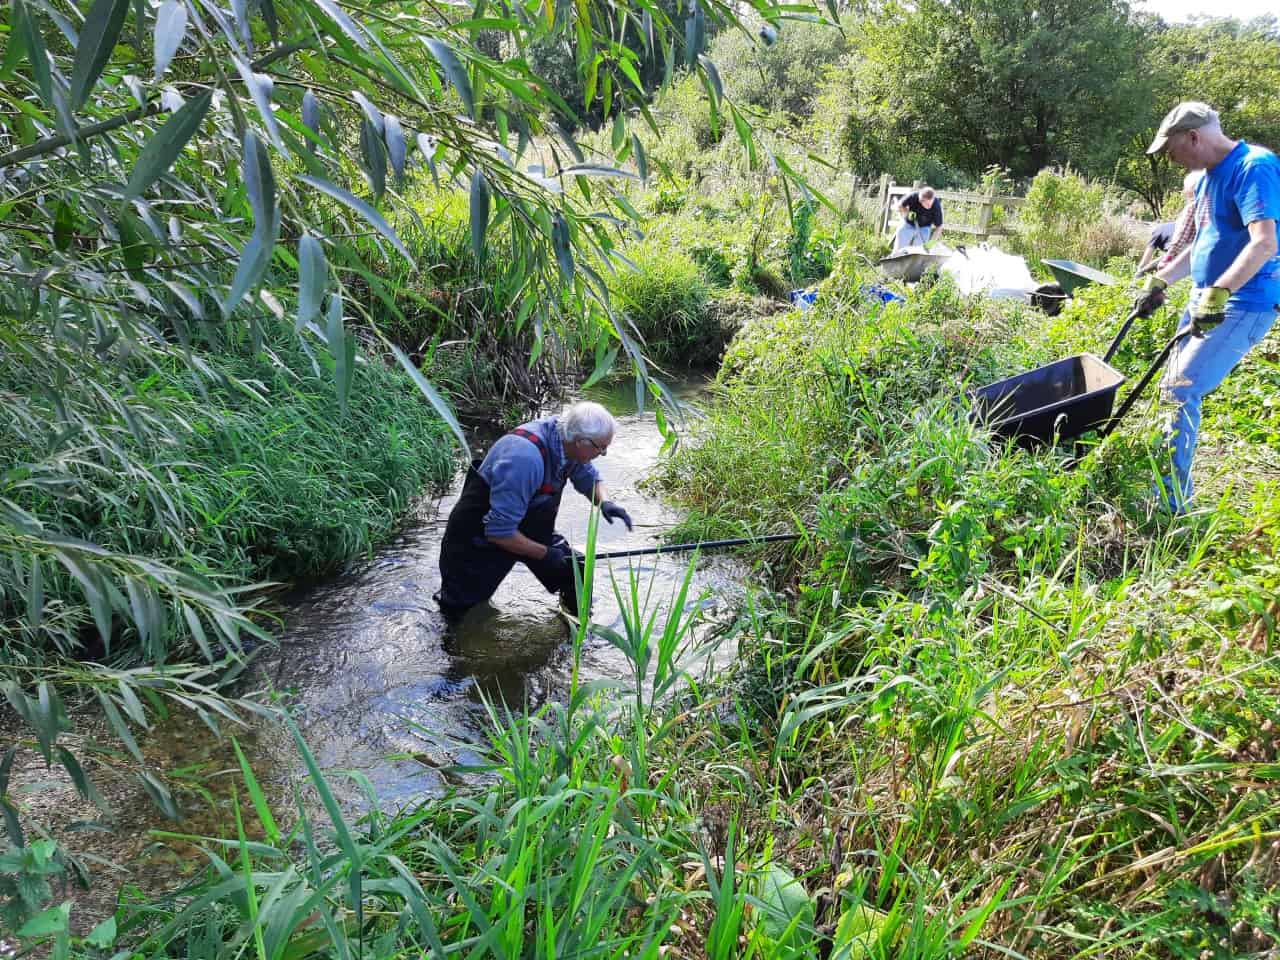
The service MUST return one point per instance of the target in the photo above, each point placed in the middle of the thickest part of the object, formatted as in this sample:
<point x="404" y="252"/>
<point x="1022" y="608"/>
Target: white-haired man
<point x="507" y="510"/>
<point x="1233" y="263"/>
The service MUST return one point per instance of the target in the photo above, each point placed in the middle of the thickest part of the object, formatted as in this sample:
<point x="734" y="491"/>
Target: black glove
<point x="559" y="556"/>
<point x="614" y="512"/>
<point x="1151" y="297"/>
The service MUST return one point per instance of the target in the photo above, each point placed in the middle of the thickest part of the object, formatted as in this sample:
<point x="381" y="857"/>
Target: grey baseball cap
<point x="1188" y="115"/>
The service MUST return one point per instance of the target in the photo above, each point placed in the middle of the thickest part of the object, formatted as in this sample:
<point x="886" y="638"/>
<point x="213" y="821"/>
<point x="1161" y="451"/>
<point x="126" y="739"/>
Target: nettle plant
<point x="175" y="172"/>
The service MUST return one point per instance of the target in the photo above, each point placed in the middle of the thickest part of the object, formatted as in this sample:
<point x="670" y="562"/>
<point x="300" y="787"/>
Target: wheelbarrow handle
<point x="1136" y="392"/>
<point x="1120" y="335"/>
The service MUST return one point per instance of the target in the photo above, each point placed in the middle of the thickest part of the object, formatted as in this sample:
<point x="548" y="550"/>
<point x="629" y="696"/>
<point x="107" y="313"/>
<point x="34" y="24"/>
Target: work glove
<point x="1150" y="296"/>
<point x="612" y="512"/>
<point x="559" y="557"/>
<point x="1210" y="310"/>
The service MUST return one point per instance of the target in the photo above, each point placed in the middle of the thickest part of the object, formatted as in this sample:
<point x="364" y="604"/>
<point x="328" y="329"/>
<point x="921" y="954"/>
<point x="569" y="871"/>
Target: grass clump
<point x="665" y="297"/>
<point x="244" y="469"/>
<point x="1008" y="708"/>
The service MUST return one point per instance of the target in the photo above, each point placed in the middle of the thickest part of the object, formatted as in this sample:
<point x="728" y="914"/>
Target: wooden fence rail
<point x="891" y="195"/>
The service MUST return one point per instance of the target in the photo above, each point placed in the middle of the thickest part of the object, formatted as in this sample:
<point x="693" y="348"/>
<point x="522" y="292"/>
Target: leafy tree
<point x="1025" y="85"/>
<point x="556" y="60"/>
<point x="781" y="77"/>
<point x="1231" y="65"/>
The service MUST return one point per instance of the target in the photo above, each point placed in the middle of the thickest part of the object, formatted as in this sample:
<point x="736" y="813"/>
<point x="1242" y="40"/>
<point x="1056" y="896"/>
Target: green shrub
<point x="715" y="262"/>
<point x="1068" y="217"/>
<point x="685" y="121"/>
<point x="780" y="78"/>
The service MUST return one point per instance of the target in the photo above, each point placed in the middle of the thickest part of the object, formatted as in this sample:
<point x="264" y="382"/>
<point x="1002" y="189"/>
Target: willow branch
<point x="47" y="145"/>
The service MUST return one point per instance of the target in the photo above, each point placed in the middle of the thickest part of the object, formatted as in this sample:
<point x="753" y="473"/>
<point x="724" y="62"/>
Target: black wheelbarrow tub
<point x="1071" y="275"/>
<point x="1058" y="401"/>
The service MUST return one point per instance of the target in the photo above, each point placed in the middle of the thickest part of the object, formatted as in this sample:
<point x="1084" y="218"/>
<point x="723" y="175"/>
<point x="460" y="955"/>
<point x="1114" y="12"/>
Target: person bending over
<point x="507" y="511"/>
<point x="921" y="219"/>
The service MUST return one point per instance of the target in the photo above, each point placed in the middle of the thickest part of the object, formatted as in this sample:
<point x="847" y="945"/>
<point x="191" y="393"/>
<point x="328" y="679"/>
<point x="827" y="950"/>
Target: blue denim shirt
<point x="513" y="470"/>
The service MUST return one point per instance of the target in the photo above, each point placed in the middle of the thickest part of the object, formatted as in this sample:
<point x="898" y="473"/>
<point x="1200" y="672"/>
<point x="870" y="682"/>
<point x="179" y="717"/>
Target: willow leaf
<point x="343" y="349"/>
<point x="268" y="8"/>
<point x="370" y="111"/>
<point x="393" y="134"/>
<point x="563" y="249"/>
<point x="713" y="76"/>
<point x="97" y="39"/>
<point x="311" y="116"/>
<point x="439" y="403"/>
<point x="454" y="70"/>
<point x="83" y="784"/>
<point x="374" y="156"/>
<point x="642" y="161"/>
<point x="171" y="28"/>
<point x="344" y="22"/>
<point x="166" y="145"/>
<point x="348" y="199"/>
<point x="313" y="275"/>
<point x="479" y="212"/>
<point x="428" y="151"/>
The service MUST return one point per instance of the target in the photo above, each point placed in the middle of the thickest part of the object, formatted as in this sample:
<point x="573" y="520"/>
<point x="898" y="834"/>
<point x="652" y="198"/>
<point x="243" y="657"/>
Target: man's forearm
<point x="1260" y="248"/>
<point x="599" y="494"/>
<point x="1177" y="268"/>
<point x="520" y="545"/>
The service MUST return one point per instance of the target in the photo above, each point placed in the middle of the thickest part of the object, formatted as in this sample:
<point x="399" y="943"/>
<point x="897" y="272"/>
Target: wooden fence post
<point x="851" y="209"/>
<point x="985" y="212"/>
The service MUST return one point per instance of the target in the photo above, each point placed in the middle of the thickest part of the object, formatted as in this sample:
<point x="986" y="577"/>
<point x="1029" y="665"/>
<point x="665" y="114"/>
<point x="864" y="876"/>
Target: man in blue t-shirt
<point x="1233" y="263"/>
<point x="507" y="510"/>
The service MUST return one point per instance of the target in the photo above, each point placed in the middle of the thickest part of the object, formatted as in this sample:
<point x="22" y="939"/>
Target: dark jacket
<point x="918" y="216"/>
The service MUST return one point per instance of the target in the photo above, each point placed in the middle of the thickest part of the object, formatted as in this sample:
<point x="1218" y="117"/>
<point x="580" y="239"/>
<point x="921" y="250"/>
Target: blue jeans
<point x="911" y="236"/>
<point x="1196" y="368"/>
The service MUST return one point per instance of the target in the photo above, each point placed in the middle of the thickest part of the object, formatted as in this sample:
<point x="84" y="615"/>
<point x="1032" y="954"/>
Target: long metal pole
<point x="702" y="545"/>
<point x="1136" y="392"/>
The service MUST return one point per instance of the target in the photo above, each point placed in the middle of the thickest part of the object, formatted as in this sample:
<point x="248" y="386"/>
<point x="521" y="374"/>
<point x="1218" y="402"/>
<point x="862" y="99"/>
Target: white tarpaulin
<point x="984" y="269"/>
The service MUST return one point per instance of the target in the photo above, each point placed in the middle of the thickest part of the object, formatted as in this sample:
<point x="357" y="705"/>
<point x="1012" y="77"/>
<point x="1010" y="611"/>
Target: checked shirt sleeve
<point x="1184" y="231"/>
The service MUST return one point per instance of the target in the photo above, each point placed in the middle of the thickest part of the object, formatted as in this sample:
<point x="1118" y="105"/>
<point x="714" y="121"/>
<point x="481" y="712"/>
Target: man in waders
<point x="507" y="510"/>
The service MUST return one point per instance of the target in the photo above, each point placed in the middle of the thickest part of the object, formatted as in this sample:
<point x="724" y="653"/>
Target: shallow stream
<point x="373" y="671"/>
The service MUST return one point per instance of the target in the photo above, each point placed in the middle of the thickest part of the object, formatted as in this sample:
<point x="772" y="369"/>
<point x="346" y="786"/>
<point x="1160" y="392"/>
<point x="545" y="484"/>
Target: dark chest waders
<point x="471" y="568"/>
